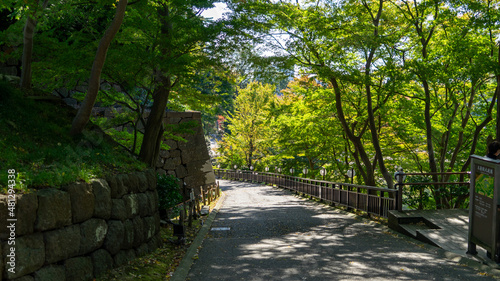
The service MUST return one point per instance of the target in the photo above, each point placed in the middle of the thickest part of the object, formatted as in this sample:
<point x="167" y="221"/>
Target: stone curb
<point x="182" y="270"/>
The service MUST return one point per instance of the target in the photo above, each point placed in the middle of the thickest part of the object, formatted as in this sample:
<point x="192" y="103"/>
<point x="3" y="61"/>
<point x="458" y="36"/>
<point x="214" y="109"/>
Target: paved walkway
<point x="265" y="233"/>
<point x="447" y="229"/>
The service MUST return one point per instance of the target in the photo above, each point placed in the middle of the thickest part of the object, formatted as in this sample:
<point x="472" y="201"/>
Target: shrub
<point x="168" y="192"/>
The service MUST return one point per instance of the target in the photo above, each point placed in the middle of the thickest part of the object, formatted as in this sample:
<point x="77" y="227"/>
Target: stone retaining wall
<point x="81" y="230"/>
<point x="188" y="161"/>
<point x="11" y="66"/>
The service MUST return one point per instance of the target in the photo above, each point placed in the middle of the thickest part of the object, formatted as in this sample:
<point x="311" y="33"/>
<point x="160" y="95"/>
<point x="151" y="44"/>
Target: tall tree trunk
<point x="153" y="132"/>
<point x="428" y="130"/>
<point x="368" y="172"/>
<point x="250" y="152"/>
<point x="375" y="140"/>
<point x="424" y="43"/>
<point x="427" y="110"/>
<point x="371" y="116"/>
<point x="83" y="115"/>
<point x="28" y="34"/>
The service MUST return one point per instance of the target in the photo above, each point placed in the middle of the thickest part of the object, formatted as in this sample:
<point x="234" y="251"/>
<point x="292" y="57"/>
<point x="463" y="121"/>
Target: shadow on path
<point x="264" y="233"/>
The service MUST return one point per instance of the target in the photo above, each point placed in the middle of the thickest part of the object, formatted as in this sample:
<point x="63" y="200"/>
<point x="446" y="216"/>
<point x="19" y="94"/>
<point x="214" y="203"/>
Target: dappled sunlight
<point x="323" y="246"/>
<point x="320" y="253"/>
<point x="412" y="256"/>
<point x="274" y="236"/>
<point x="458" y="219"/>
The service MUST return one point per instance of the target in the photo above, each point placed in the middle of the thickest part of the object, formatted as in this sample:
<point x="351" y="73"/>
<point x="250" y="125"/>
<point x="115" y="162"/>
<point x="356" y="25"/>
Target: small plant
<point x="168" y="192"/>
<point x="416" y="196"/>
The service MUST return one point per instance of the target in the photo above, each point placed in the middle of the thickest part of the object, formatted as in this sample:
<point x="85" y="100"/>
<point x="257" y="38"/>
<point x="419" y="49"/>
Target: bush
<point x="411" y="193"/>
<point x="168" y="192"/>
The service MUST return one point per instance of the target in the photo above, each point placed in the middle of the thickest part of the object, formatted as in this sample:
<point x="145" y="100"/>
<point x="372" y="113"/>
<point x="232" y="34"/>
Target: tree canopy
<point x="409" y="84"/>
<point x="364" y="84"/>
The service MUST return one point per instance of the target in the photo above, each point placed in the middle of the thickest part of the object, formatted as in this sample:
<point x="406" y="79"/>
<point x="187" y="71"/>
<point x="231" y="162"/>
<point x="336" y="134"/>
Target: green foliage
<point x="435" y="196"/>
<point x="411" y="86"/>
<point x="249" y="138"/>
<point x="68" y="34"/>
<point x="168" y="191"/>
<point x="418" y="195"/>
<point x="309" y="135"/>
<point x="35" y="142"/>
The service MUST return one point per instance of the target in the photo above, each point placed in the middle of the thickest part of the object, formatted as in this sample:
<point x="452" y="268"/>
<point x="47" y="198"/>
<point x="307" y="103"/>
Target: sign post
<point x="484" y="206"/>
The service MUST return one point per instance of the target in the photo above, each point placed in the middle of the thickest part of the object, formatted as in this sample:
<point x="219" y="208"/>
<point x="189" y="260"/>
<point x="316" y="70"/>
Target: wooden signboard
<point x="484" y="201"/>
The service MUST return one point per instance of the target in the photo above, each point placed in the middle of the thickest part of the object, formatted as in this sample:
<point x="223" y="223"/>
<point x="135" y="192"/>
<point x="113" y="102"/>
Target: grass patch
<point x="35" y="141"/>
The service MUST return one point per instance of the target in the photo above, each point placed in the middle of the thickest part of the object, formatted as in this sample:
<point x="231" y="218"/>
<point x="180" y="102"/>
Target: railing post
<point x="357" y="198"/>
<point x="202" y="195"/>
<point x="380" y="203"/>
<point x="218" y="189"/>
<point x="400" y="197"/>
<point x="348" y="197"/>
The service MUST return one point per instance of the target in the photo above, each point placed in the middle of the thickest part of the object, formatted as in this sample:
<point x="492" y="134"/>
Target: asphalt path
<point x="266" y="233"/>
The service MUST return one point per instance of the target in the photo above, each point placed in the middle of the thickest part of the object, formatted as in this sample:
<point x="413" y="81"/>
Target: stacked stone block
<point x="187" y="160"/>
<point x="82" y="230"/>
<point x="10" y="66"/>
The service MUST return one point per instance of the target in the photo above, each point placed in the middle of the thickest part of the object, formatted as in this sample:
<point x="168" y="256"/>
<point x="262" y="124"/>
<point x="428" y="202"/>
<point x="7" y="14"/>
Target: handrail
<point x="437" y="173"/>
<point x="436" y="183"/>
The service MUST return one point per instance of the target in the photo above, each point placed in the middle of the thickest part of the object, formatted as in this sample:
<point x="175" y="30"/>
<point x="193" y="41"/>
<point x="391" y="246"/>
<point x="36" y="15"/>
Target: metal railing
<point x="370" y="199"/>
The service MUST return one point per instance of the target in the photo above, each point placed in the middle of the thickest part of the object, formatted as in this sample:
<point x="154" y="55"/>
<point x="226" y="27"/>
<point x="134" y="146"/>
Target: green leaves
<point x="169" y="194"/>
<point x="411" y="80"/>
<point x="249" y="126"/>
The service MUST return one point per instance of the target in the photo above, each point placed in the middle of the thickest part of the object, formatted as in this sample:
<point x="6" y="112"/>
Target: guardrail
<point x="209" y="193"/>
<point x="191" y="208"/>
<point x="373" y="200"/>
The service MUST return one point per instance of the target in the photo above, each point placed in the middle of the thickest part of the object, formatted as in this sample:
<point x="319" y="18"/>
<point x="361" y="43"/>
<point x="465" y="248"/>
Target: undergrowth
<point x="35" y="142"/>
